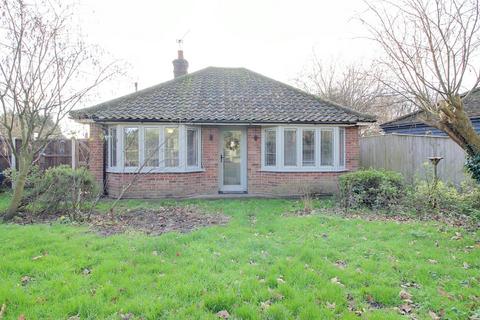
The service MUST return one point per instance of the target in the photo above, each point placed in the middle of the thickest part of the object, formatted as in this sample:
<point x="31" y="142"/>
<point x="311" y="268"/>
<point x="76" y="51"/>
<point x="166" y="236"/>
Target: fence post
<point x="74" y="153"/>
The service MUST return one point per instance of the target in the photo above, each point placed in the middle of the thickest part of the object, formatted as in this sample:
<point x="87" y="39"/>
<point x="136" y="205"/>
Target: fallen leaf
<point x="155" y="253"/>
<point x="405" y="295"/>
<point x="341" y="264"/>
<point x="76" y="317"/>
<point x="2" y="310"/>
<point x="126" y="316"/>
<point x="21" y="317"/>
<point x="432" y="261"/>
<point x="406" y="308"/>
<point x="265" y="305"/>
<point x="466" y="265"/>
<point x="280" y="280"/>
<point x="457" y="236"/>
<point x="433" y="315"/>
<point x="37" y="257"/>
<point x="223" y="314"/>
<point x="331" y="305"/>
<point x="444" y="293"/>
<point x="86" y="271"/>
<point x="337" y="281"/>
<point x="25" y="280"/>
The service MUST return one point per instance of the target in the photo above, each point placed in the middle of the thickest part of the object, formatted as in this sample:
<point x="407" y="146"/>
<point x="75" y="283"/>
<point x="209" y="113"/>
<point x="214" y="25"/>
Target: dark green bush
<point x="373" y="189"/>
<point x="473" y="166"/>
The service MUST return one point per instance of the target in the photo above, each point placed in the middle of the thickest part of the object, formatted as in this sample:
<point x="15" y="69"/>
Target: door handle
<point x="221" y="157"/>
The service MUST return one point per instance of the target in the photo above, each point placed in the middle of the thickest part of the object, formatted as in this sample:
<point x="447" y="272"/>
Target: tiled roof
<point x="471" y="104"/>
<point x="222" y="95"/>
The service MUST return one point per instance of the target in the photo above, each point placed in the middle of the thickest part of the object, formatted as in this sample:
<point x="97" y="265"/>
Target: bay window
<point x="270" y="147"/>
<point x="192" y="147"/>
<point x="130" y="146"/>
<point x="171" y="147"/>
<point x="153" y="148"/>
<point x="290" y="147"/>
<point x="326" y="148"/>
<point x="112" y="147"/>
<point x="308" y="148"/>
<point x="303" y="148"/>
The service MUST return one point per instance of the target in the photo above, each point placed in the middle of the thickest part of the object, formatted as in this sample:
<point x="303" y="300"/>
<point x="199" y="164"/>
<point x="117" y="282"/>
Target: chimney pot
<point x="180" y="65"/>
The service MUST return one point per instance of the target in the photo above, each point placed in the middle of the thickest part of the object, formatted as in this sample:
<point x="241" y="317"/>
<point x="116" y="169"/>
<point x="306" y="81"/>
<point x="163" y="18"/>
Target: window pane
<point x="308" y="143"/>
<point x="270" y="148"/>
<point x="130" y="143"/>
<point x="113" y="147"/>
<point x="152" y="145"/>
<point x="171" y="147"/>
<point x="192" y="147"/>
<point x="327" y="148"/>
<point x="341" y="141"/>
<point x="290" y="147"/>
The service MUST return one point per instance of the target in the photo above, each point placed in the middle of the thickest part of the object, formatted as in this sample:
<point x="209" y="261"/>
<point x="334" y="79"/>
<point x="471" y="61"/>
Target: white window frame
<point x="199" y="147"/>
<point x="280" y="167"/>
<point x="182" y="167"/>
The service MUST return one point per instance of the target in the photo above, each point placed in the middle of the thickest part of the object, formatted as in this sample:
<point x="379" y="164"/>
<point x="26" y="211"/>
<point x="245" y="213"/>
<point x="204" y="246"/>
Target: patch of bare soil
<point x="149" y="221"/>
<point x="155" y="221"/>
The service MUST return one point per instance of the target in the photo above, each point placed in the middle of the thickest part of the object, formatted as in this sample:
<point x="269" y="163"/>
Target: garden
<point x="380" y="250"/>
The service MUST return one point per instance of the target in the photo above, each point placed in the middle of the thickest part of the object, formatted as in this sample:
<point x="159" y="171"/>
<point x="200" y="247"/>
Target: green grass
<point x="237" y="268"/>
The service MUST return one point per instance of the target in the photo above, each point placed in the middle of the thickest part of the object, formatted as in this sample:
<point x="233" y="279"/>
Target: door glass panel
<point x="232" y="158"/>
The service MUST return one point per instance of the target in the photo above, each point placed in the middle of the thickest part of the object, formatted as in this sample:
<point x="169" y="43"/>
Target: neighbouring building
<point x="220" y="130"/>
<point x="412" y="123"/>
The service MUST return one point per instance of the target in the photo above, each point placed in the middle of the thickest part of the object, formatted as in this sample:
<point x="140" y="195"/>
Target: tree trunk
<point x="19" y="187"/>
<point x="454" y="121"/>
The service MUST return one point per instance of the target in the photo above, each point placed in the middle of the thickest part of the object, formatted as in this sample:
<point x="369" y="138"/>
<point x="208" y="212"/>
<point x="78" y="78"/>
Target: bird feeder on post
<point x="434" y="161"/>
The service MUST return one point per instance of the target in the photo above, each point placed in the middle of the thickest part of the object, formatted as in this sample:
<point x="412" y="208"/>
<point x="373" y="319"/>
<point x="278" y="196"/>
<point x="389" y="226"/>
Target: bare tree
<point x="353" y="85"/>
<point x="430" y="47"/>
<point x="45" y="71"/>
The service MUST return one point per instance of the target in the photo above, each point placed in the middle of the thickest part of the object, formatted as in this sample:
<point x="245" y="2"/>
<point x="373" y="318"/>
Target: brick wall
<point x="154" y="185"/>
<point x="96" y="145"/>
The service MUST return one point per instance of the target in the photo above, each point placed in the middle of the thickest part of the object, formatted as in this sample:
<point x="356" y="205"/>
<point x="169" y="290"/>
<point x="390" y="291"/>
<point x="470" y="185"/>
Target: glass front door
<point x="232" y="160"/>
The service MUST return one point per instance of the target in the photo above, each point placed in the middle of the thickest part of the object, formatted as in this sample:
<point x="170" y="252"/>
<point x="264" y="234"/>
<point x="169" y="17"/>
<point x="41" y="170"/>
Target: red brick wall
<point x="295" y="183"/>
<point x="154" y="185"/>
<point x="96" y="144"/>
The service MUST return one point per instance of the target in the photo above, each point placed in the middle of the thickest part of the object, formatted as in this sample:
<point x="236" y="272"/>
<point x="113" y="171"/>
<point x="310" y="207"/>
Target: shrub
<point x="373" y="189"/>
<point x="58" y="189"/>
<point x="449" y="200"/>
<point x="473" y="166"/>
<point x="65" y="189"/>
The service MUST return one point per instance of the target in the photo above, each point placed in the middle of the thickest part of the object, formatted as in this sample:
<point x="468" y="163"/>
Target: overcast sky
<point x="272" y="37"/>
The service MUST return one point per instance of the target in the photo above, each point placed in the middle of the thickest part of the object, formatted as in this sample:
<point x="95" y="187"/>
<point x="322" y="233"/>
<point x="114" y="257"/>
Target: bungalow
<point x="220" y="130"/>
<point x="413" y="124"/>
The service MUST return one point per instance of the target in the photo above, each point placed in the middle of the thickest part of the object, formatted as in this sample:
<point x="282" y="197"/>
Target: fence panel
<point x="57" y="152"/>
<point x="408" y="153"/>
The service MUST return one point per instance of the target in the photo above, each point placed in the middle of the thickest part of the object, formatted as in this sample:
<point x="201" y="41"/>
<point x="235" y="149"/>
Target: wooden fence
<point x="407" y="154"/>
<point x="72" y="152"/>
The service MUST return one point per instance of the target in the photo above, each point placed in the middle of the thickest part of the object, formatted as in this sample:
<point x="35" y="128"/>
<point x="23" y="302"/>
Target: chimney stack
<point x="180" y="65"/>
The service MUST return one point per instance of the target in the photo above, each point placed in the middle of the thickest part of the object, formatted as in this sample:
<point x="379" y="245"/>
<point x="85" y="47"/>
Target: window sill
<point x="299" y="170"/>
<point x="154" y="170"/>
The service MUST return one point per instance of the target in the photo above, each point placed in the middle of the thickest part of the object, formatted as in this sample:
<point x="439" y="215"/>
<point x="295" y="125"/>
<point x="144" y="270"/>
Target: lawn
<point x="262" y="265"/>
